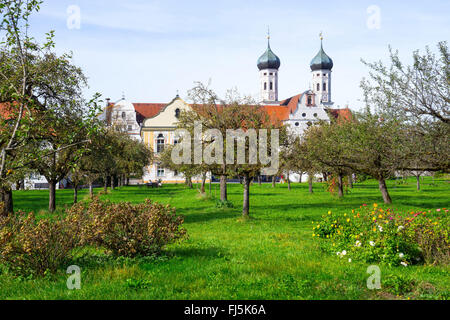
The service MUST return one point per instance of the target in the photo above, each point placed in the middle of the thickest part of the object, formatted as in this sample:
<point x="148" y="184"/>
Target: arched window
<point x="177" y="113"/>
<point x="124" y="115"/>
<point x="318" y="87"/>
<point x="271" y="85"/>
<point x="309" y="100"/>
<point x="324" y="87"/>
<point x="265" y="85"/>
<point x="160" y="143"/>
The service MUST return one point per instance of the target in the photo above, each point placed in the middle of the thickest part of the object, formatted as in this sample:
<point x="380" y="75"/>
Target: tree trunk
<point x="112" y="183"/>
<point x="105" y="184"/>
<point x="259" y="180"/>
<point x="310" y="182"/>
<point x="246" y="204"/>
<point x="6" y="197"/>
<point x="325" y="176"/>
<point x="128" y="181"/>
<point x="384" y="191"/>
<point x="274" y="181"/>
<point x="75" y="194"/>
<point x="91" y="189"/>
<point x="289" y="181"/>
<point x="52" y="196"/>
<point x="340" y="186"/>
<point x="350" y="181"/>
<point x="418" y="183"/>
<point x="202" y="189"/>
<point x="223" y="188"/>
<point x="300" y="177"/>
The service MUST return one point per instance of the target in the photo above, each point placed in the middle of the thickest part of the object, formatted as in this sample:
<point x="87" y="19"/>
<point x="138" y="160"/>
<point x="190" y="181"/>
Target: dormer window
<point x="177" y="113"/>
<point x="309" y="100"/>
<point x="124" y="115"/>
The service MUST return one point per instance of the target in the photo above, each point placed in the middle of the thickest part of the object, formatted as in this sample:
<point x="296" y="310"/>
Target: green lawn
<point x="271" y="256"/>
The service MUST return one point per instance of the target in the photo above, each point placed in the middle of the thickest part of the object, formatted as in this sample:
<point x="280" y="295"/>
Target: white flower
<point x="380" y="228"/>
<point x="349" y="260"/>
<point x="401" y="255"/>
<point x="400" y="228"/>
<point x="358" y="244"/>
<point x="372" y="243"/>
<point x="404" y="264"/>
<point x="344" y="253"/>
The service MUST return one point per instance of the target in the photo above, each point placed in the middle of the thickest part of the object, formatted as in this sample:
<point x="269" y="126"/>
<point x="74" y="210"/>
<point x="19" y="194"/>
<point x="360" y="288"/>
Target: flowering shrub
<point x="374" y="234"/>
<point x="31" y="247"/>
<point x="126" y="229"/>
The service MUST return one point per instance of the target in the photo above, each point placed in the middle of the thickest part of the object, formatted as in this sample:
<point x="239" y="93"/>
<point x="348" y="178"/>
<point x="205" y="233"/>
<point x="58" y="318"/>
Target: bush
<point x="31" y="247"/>
<point x="224" y="204"/>
<point x="373" y="234"/>
<point x="126" y="229"/>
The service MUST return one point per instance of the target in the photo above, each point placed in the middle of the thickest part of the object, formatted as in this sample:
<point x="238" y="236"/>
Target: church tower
<point x="321" y="67"/>
<point x="268" y="65"/>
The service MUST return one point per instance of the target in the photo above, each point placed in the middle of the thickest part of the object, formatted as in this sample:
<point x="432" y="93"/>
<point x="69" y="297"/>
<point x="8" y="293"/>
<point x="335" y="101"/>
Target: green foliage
<point x="138" y="283"/>
<point x="224" y="204"/>
<point x="373" y="235"/>
<point x="398" y="284"/>
<point x="126" y="229"/>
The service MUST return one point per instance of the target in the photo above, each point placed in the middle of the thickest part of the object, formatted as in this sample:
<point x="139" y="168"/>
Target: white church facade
<point x="155" y="123"/>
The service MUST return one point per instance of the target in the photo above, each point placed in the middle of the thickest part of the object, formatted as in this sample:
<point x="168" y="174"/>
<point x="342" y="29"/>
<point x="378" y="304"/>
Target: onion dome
<point x="321" y="61"/>
<point x="269" y="60"/>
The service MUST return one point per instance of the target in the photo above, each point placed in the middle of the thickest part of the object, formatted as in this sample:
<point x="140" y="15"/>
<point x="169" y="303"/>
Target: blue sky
<point x="151" y="49"/>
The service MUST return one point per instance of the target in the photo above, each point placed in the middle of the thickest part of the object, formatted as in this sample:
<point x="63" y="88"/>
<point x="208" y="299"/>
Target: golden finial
<point x="268" y="33"/>
<point x="321" y="35"/>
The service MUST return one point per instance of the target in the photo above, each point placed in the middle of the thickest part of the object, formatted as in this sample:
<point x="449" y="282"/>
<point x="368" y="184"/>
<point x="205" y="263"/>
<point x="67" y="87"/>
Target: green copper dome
<point x="321" y="61"/>
<point x="269" y="60"/>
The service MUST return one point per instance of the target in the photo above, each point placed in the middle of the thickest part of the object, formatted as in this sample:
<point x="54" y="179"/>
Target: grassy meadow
<point x="271" y="256"/>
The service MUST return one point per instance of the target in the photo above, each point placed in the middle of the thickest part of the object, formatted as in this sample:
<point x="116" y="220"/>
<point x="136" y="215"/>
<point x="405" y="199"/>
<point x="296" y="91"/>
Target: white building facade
<point x="155" y="123"/>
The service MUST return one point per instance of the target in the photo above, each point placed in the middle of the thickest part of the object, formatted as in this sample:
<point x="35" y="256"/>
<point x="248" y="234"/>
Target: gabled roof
<point x="149" y="110"/>
<point x="292" y="102"/>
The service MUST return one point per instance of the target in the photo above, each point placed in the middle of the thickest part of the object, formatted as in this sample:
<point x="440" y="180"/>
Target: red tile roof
<point x="341" y="114"/>
<point x="292" y="102"/>
<point x="279" y="112"/>
<point x="149" y="110"/>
